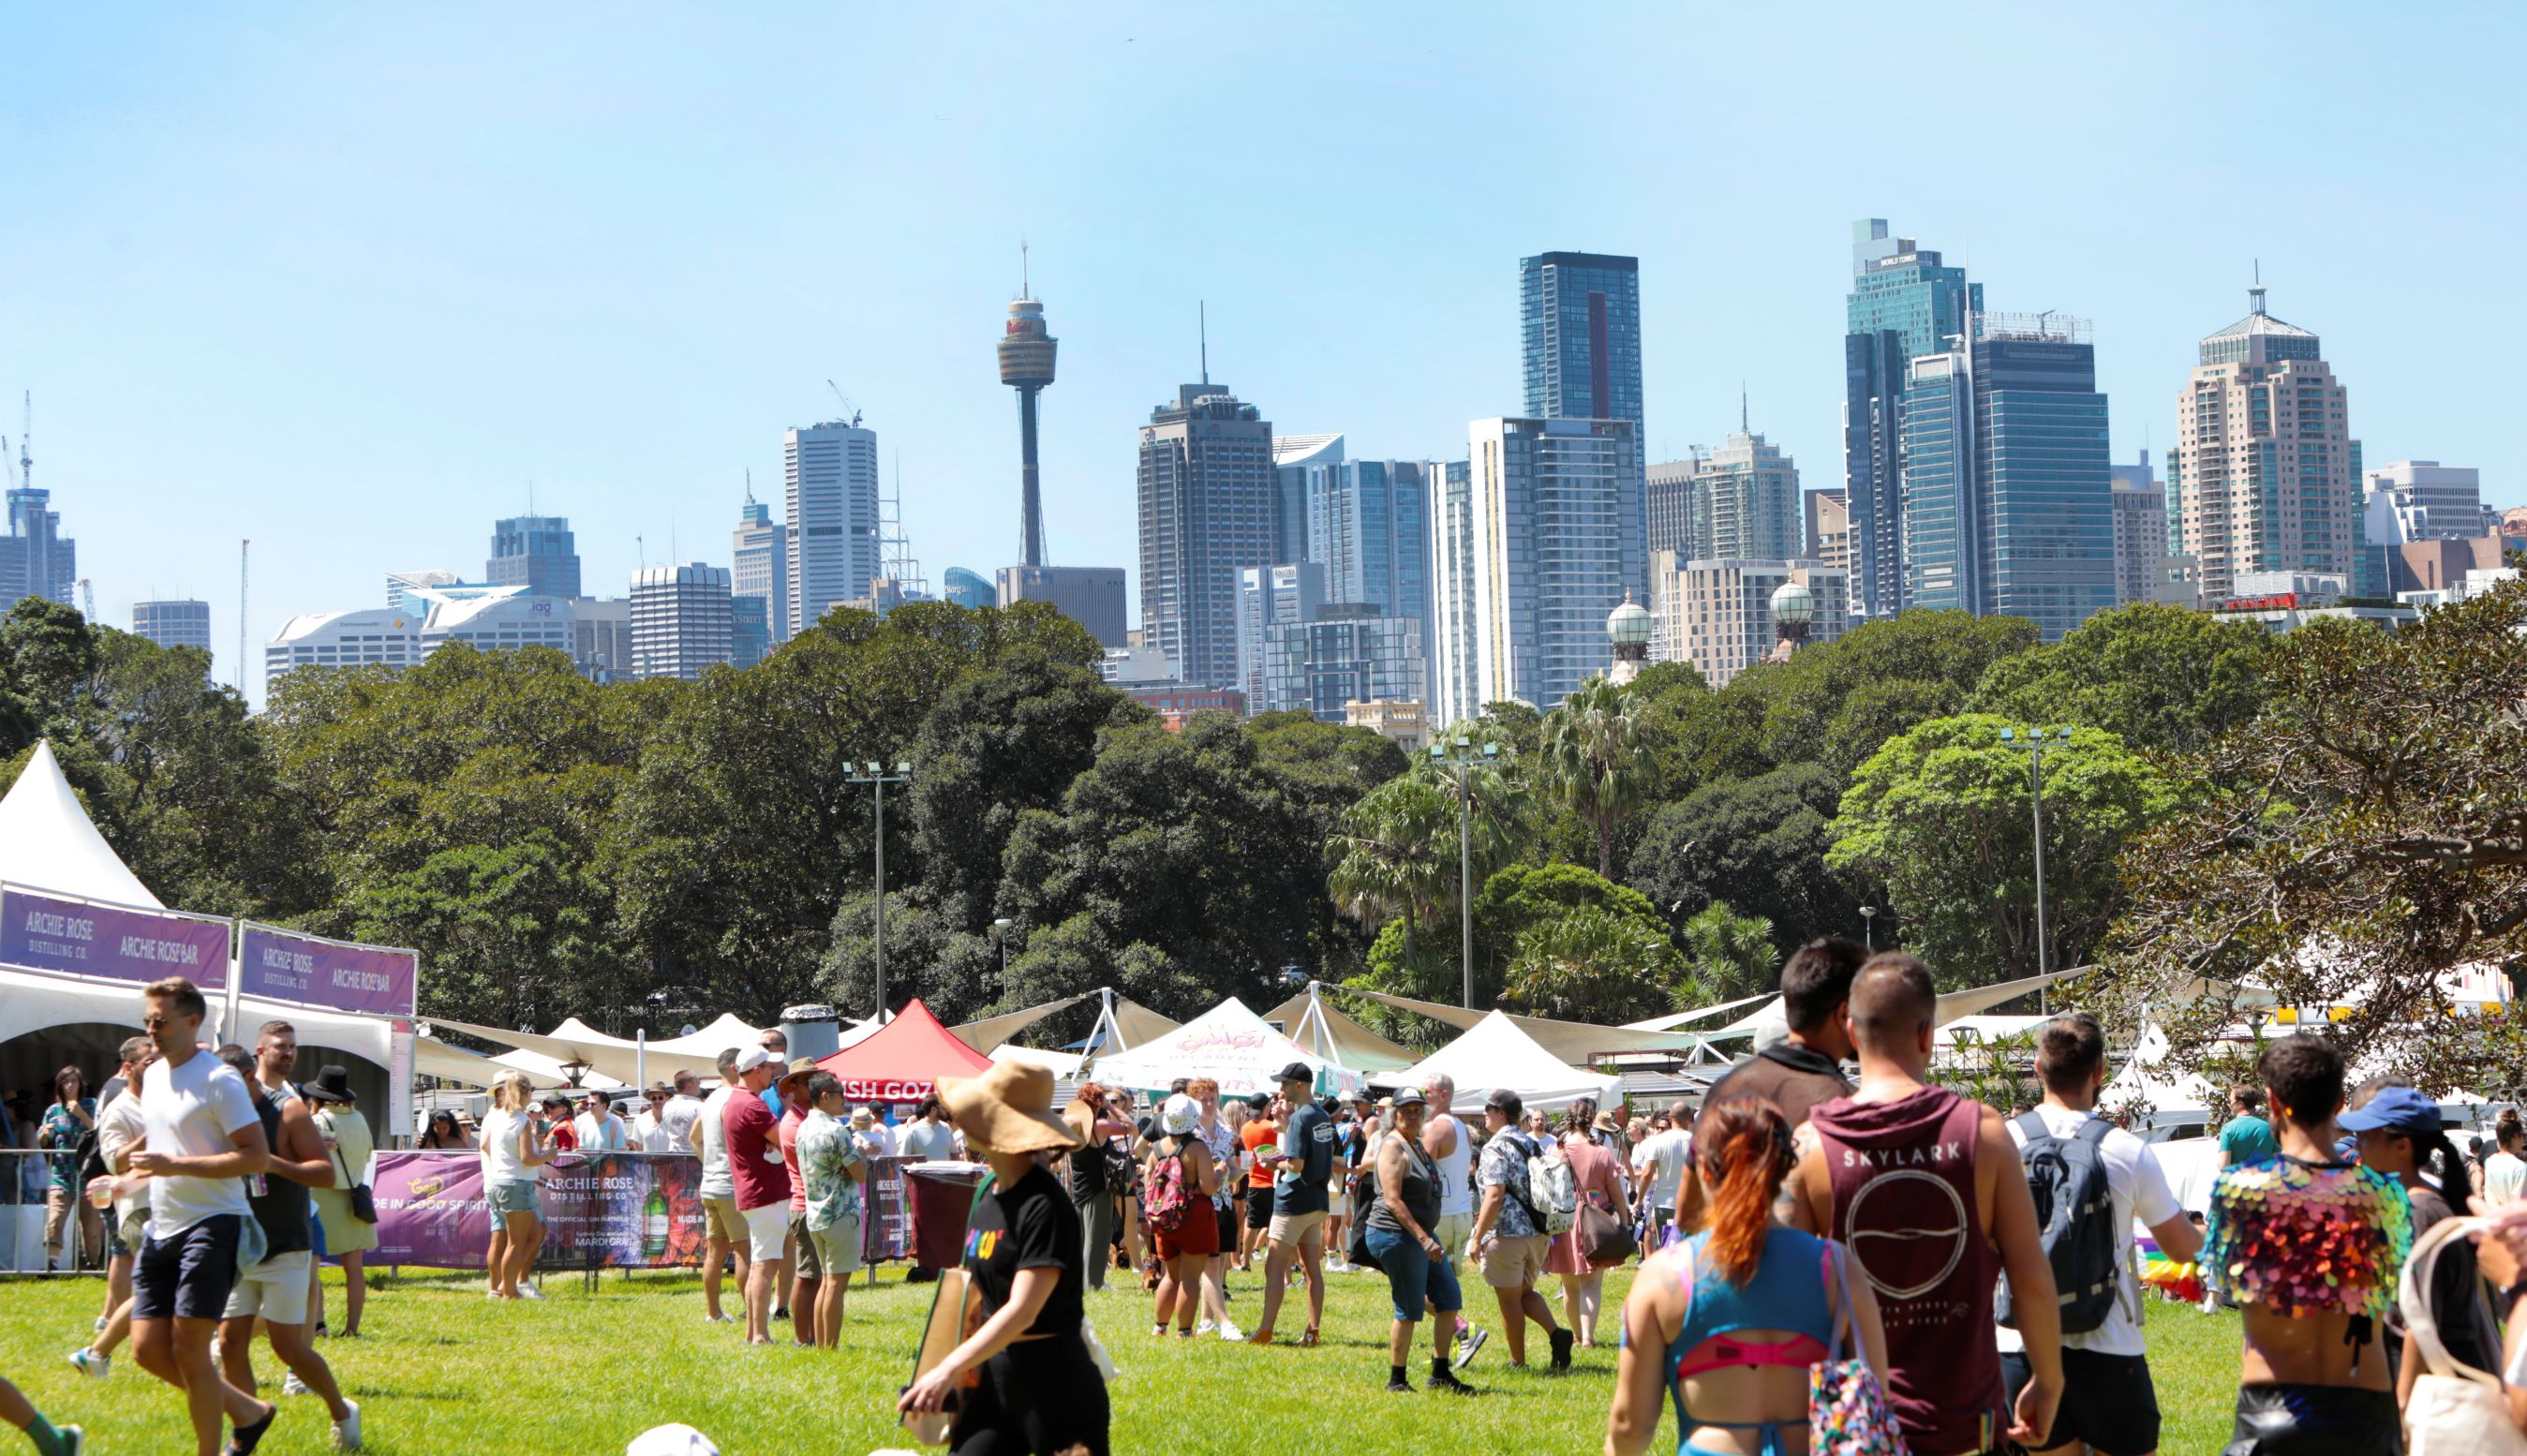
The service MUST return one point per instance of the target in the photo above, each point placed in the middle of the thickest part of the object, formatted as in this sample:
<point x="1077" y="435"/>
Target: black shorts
<point x="2315" y="1421"/>
<point x="2107" y="1401"/>
<point x="1259" y="1208"/>
<point x="188" y="1275"/>
<point x="1227" y="1228"/>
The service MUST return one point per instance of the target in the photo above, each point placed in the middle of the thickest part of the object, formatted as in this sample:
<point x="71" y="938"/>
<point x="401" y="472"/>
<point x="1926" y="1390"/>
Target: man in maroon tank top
<point x="1926" y="1189"/>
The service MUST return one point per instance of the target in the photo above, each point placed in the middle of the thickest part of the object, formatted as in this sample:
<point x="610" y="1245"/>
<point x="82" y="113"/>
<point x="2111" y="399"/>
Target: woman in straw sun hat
<point x="1034" y="1386"/>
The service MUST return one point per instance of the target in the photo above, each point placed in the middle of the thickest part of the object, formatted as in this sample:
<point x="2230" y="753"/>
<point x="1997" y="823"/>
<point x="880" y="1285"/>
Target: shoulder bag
<point x="1847" y="1413"/>
<point x="364" y="1199"/>
<point x="2456" y="1410"/>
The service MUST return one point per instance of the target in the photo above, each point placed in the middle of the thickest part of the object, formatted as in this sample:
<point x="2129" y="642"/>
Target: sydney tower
<point x="1026" y="365"/>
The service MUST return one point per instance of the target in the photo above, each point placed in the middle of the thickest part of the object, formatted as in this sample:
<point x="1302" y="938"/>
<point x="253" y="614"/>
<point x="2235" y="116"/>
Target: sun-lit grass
<point x="441" y="1372"/>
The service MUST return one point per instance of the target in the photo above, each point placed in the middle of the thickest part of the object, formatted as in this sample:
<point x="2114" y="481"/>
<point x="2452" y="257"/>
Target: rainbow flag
<point x="2181" y="1283"/>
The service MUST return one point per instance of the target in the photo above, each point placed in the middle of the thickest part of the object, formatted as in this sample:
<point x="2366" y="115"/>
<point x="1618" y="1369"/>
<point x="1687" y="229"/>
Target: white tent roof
<point x="1059" y="1063"/>
<point x="1229" y="1043"/>
<point x="1497" y="1054"/>
<point x="1773" y="1021"/>
<point x="46" y="842"/>
<point x="1675" y="1019"/>
<point x="2139" y="1080"/>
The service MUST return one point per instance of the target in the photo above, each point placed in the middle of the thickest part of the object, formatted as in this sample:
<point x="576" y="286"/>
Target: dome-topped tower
<point x="1793" y="608"/>
<point x="1629" y="626"/>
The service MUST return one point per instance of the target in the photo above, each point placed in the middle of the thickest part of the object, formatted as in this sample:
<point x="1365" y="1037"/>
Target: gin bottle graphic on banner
<point x="653" y="1224"/>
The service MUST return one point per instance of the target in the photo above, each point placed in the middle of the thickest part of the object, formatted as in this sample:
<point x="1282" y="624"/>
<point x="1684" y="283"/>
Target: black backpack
<point x="2075" y="1214"/>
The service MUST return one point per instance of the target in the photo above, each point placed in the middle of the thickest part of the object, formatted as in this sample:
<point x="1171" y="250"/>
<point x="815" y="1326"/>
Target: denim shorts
<point x="515" y="1196"/>
<point x="1413" y="1276"/>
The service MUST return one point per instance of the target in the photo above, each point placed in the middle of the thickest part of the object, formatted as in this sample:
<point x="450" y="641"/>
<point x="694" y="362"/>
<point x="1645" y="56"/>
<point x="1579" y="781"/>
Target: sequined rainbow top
<point x="2308" y="1238"/>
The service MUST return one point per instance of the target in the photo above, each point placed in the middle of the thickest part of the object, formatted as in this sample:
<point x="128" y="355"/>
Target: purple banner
<point x="627" y="1210"/>
<point x="286" y="965"/>
<point x="111" y="942"/>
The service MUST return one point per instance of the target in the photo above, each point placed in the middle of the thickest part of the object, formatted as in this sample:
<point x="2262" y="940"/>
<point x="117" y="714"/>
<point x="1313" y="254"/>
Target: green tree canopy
<point x="1757" y="844"/>
<point x="1591" y="964"/>
<point x="1728" y="956"/>
<point x="1942" y="815"/>
<point x="1835" y="702"/>
<point x="2161" y="678"/>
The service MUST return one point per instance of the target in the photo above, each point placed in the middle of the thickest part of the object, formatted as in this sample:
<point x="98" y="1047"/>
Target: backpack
<point x="2075" y="1212"/>
<point x="1549" y="1193"/>
<point x="1165" y="1196"/>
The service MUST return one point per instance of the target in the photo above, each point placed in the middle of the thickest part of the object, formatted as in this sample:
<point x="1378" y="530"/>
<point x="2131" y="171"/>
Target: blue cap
<point x="2393" y="1110"/>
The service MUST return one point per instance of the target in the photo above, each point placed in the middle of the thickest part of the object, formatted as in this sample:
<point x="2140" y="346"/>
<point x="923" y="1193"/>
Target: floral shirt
<point x="1504" y="1167"/>
<point x="826" y="1151"/>
<point x="61" y="1130"/>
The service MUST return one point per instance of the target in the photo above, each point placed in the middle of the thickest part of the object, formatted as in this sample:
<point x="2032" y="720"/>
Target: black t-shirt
<point x="1030" y="1225"/>
<point x="1087" y="1172"/>
<point x="1795" y="1078"/>
<point x="1312" y="1133"/>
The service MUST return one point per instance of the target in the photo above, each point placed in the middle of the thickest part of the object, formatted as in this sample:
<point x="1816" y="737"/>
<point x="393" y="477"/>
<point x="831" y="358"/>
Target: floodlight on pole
<point x="876" y="776"/>
<point x="1465" y="756"/>
<point x="2035" y="740"/>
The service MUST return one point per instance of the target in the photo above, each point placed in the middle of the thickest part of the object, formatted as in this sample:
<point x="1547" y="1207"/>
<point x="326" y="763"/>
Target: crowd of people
<point x="1921" y="1271"/>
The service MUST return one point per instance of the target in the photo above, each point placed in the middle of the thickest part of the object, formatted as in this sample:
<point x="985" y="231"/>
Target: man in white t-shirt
<point x="2109" y="1405"/>
<point x="1658" y="1166"/>
<point x="201" y="1139"/>
<point x="678" y="1115"/>
<point x="599" y="1128"/>
<point x="724" y="1230"/>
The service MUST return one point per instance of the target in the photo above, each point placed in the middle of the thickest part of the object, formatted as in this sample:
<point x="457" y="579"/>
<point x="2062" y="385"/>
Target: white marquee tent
<point x="1496" y="1052"/>
<point x="1228" y="1042"/>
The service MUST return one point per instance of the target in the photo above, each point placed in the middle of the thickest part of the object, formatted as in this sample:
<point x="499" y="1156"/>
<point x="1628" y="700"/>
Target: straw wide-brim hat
<point x="1007" y="1110"/>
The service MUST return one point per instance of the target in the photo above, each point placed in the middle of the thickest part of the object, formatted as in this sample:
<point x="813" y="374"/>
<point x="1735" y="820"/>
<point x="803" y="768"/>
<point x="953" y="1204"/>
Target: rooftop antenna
<point x="749" y="485"/>
<point x="1204" y="323"/>
<point x="639" y="549"/>
<point x="26" y="443"/>
<point x="2256" y="293"/>
<point x="1026" y="289"/>
<point x="531" y="495"/>
<point x="1741" y="408"/>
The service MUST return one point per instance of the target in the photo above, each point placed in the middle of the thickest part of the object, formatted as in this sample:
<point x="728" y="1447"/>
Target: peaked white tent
<point x="46" y="842"/>
<point x="1496" y="1052"/>
<point x="1229" y="1043"/>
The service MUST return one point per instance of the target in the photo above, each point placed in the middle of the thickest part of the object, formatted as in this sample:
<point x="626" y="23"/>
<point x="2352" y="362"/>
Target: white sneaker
<point x="1206" y="1327"/>
<point x="1231" y="1334"/>
<point x="346" y="1431"/>
<point x="711" y="1319"/>
<point x="293" y="1386"/>
<point x="94" y="1366"/>
<point x="528" y="1292"/>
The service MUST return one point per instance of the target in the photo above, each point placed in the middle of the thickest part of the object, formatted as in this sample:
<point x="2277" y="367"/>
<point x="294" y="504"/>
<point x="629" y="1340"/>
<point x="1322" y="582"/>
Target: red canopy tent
<point x="898" y="1062"/>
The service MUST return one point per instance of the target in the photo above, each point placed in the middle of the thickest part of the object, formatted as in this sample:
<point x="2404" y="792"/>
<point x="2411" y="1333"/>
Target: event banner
<point x="619" y="1211"/>
<point x="337" y="975"/>
<point x="111" y="942"/>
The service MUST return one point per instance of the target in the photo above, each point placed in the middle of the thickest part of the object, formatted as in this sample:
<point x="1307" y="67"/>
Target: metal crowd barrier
<point x="25" y="1181"/>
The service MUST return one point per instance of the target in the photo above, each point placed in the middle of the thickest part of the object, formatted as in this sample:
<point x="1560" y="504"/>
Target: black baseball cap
<point x="1503" y="1100"/>
<point x="1299" y="1071"/>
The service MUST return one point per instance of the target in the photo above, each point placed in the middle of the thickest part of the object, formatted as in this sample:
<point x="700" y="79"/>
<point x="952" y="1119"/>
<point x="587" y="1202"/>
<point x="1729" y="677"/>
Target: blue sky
<point x="345" y="280"/>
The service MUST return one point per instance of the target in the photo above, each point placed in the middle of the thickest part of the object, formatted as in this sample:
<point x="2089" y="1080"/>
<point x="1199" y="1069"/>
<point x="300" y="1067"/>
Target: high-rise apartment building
<point x="760" y="565"/>
<point x="1580" y="336"/>
<point x="1349" y="652"/>
<point x="35" y="559"/>
<point x="2265" y="475"/>
<point x="1668" y="485"/>
<point x="1542" y="543"/>
<point x="2140" y="532"/>
<point x="2008" y="507"/>
<point x="183" y="623"/>
<point x="683" y="620"/>
<point x="1451" y="631"/>
<point x="1718" y="614"/>
<point x="1368" y="525"/>
<point x="1207" y="509"/>
<point x="1270" y="596"/>
<point x="1296" y="459"/>
<point x="1828" y="529"/>
<point x="1742" y="502"/>
<point x="538" y="553"/>
<point x="1904" y="303"/>
<point x="832" y="480"/>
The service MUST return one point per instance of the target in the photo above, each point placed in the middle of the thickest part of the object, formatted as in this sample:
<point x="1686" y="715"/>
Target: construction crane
<point x="87" y="599"/>
<point x="846" y="403"/>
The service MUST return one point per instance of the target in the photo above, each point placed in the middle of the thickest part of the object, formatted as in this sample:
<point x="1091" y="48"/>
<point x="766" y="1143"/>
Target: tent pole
<point x="641" y="1058"/>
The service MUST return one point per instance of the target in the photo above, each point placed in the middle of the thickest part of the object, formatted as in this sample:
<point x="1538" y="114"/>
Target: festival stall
<point x="1498" y="1053"/>
<point x="1228" y="1043"/>
<point x="896" y="1066"/>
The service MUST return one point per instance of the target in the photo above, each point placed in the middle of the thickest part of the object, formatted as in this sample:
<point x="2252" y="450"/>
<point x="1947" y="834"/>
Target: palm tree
<point x="1595" y="751"/>
<point x="1392" y="855"/>
<point x="1730" y="957"/>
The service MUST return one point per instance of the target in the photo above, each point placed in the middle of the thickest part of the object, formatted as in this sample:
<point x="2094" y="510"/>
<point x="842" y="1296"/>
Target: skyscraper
<point x="1270" y="597"/>
<point x="1296" y="458"/>
<point x="1352" y="652"/>
<point x="2007" y="505"/>
<point x="760" y="564"/>
<point x="2140" y="532"/>
<point x="1742" y="502"/>
<point x="1453" y="628"/>
<point x="2428" y="501"/>
<point x="1580" y="336"/>
<point x="183" y="623"/>
<point x="682" y="620"/>
<point x="2265" y="475"/>
<point x="1669" y="487"/>
<point x="536" y="552"/>
<point x="1829" y="523"/>
<point x="1539" y="548"/>
<point x="832" y="482"/>
<point x="35" y="559"/>
<point x="1904" y="303"/>
<point x="1026" y="351"/>
<point x="1206" y="510"/>
<point x="1368" y="524"/>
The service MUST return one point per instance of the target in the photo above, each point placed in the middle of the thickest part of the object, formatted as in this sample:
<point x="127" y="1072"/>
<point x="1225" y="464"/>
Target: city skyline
<point x="223" y="307"/>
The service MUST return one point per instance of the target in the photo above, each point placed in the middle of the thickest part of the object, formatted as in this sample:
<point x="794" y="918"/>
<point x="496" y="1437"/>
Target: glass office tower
<point x="1579" y="336"/>
<point x="1904" y="303"/>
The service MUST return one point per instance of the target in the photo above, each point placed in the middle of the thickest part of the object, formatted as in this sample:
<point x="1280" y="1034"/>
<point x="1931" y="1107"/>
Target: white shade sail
<point x="1498" y="1053"/>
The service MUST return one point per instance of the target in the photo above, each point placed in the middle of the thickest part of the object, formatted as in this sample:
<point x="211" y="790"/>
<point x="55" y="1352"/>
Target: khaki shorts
<point x="276" y="1288"/>
<point x="1301" y="1230"/>
<point x="767" y="1230"/>
<point x="838" y="1249"/>
<point x="1515" y="1263"/>
<point x="721" y="1220"/>
<point x="1453" y="1232"/>
<point x="803" y="1262"/>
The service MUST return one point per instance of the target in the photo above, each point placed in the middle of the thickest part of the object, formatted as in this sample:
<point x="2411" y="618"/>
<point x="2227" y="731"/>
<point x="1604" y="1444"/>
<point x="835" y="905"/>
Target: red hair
<point x="1744" y="1148"/>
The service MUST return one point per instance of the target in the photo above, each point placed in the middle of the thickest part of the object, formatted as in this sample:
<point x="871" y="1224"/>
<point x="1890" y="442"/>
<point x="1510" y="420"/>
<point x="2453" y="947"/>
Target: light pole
<point x="1868" y="928"/>
<point x="2034" y="740"/>
<point x="1464" y="756"/>
<point x="877" y="778"/>
<point x="1001" y="937"/>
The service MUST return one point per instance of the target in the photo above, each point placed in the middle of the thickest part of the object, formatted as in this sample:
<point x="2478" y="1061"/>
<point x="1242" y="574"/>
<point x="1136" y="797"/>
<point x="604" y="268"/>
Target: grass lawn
<point x="442" y="1370"/>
